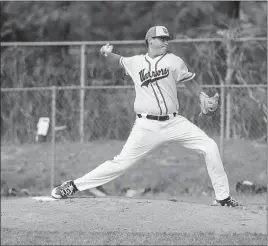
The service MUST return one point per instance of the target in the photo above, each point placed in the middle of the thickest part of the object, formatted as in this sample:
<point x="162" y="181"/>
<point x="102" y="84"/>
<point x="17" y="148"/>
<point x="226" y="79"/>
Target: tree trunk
<point x="230" y="8"/>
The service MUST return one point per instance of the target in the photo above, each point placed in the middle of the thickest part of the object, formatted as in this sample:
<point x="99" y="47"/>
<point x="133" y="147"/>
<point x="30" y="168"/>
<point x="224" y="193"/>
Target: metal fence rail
<point x="81" y="43"/>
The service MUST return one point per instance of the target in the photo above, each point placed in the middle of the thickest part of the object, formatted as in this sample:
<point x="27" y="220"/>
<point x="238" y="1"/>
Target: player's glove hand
<point x="106" y="49"/>
<point x="208" y="104"/>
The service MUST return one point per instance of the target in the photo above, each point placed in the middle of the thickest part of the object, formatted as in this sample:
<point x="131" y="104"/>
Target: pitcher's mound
<point x="128" y="215"/>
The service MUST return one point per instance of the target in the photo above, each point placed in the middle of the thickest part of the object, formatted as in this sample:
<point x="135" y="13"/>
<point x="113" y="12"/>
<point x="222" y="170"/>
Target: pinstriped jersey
<point x="155" y="82"/>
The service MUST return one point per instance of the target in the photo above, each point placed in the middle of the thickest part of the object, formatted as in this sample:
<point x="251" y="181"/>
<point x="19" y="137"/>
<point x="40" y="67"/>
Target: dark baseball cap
<point x="157" y="31"/>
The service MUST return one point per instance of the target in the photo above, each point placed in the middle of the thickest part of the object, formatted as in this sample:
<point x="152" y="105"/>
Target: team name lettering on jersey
<point x="149" y="77"/>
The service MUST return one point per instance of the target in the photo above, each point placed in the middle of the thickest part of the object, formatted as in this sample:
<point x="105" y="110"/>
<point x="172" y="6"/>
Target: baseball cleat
<point x="68" y="188"/>
<point x="228" y="202"/>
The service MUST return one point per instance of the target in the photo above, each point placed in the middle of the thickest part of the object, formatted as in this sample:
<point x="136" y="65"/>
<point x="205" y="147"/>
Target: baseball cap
<point x="157" y="31"/>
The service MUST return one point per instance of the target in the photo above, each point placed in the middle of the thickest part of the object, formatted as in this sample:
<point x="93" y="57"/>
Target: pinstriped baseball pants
<point x="145" y="136"/>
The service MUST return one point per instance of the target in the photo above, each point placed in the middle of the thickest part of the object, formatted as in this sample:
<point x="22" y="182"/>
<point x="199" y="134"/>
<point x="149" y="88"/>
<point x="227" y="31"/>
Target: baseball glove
<point x="208" y="104"/>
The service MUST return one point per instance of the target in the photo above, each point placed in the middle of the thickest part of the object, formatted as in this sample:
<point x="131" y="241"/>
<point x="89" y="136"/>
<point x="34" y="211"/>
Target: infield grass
<point x="169" y="170"/>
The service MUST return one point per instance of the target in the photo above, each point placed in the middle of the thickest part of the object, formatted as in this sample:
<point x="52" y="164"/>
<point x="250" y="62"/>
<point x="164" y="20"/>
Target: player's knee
<point x="211" y="145"/>
<point x="122" y="162"/>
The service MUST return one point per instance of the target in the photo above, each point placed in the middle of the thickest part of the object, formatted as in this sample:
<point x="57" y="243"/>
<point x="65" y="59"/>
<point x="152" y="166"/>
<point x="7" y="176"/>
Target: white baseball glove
<point x="208" y="104"/>
<point x="106" y="49"/>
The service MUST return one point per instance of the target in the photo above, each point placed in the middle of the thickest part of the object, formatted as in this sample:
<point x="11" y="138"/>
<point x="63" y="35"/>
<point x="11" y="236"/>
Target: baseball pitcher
<point x="155" y="76"/>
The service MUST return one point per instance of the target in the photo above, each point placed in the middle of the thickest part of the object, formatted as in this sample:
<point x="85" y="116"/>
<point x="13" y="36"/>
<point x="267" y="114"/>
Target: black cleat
<point x="68" y="188"/>
<point x="228" y="202"/>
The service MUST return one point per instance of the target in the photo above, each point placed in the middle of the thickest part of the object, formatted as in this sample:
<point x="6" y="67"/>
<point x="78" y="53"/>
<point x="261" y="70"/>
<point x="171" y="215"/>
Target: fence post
<point x="228" y="80"/>
<point x="53" y="136"/>
<point x="82" y="93"/>
<point x="222" y="119"/>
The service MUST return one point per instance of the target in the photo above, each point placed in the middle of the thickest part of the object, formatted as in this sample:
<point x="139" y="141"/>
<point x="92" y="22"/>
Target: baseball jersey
<point x="155" y="82"/>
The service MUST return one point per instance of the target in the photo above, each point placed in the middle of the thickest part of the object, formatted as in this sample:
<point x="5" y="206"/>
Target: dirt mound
<point x="129" y="215"/>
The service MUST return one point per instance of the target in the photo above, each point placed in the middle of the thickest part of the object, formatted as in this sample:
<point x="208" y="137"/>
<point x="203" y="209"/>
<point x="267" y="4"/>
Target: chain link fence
<point x="108" y="112"/>
<point x="77" y="90"/>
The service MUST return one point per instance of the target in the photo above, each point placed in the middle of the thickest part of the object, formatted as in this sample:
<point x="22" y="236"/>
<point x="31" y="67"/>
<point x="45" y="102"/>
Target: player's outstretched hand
<point x="106" y="49"/>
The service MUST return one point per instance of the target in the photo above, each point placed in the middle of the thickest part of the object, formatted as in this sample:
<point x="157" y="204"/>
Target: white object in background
<point x="246" y="182"/>
<point x="42" y="127"/>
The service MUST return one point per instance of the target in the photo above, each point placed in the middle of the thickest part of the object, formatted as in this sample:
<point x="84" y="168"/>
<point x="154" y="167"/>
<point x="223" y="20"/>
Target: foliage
<point x="37" y="21"/>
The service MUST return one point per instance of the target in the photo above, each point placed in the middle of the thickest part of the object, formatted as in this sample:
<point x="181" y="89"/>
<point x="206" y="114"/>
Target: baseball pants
<point x="145" y="136"/>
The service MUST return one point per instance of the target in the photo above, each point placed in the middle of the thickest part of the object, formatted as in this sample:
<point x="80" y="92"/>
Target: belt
<point x="159" y="118"/>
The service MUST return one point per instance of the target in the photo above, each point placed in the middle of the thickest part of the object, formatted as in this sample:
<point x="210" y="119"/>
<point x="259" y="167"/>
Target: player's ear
<point x="150" y="40"/>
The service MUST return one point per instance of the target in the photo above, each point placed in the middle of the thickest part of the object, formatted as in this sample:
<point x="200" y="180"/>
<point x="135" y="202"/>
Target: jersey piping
<point x="158" y="102"/>
<point x="159" y="86"/>
<point x="189" y="77"/>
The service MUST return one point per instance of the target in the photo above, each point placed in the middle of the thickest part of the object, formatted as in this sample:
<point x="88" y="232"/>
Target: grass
<point x="20" y="237"/>
<point x="170" y="170"/>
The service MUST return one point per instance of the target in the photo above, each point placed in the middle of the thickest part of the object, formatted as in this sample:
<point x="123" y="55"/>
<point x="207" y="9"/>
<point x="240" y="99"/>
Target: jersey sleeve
<point x="127" y="64"/>
<point x="182" y="74"/>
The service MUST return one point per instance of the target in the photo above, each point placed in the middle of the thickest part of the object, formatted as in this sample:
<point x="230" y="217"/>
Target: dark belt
<point x="154" y="117"/>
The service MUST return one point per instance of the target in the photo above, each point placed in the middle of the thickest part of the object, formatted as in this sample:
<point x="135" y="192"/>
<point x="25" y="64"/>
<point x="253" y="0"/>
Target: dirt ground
<point x="130" y="215"/>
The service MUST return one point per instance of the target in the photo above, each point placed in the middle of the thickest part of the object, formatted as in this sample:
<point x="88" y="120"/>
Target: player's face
<point x="159" y="45"/>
